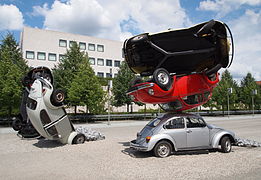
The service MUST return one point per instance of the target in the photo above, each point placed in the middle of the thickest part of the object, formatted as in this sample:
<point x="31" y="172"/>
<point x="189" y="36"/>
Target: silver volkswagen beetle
<point x="175" y="132"/>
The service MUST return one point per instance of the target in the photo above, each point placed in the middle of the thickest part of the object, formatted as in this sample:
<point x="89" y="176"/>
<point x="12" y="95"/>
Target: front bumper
<point x="138" y="147"/>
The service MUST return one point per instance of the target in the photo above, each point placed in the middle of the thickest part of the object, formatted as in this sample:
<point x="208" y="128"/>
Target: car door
<point x="176" y="129"/>
<point x="197" y="133"/>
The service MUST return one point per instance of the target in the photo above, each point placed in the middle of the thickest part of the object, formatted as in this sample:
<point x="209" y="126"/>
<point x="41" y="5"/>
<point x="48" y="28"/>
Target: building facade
<point x="46" y="48"/>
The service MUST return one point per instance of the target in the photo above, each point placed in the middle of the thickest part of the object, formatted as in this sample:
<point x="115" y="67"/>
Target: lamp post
<point x="109" y="101"/>
<point x="229" y="91"/>
<point x="254" y="92"/>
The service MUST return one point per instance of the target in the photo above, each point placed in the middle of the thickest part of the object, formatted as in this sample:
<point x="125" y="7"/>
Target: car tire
<point x="17" y="124"/>
<point x="57" y="97"/>
<point x="162" y="149"/>
<point x="79" y="139"/>
<point x="226" y="145"/>
<point x="162" y="78"/>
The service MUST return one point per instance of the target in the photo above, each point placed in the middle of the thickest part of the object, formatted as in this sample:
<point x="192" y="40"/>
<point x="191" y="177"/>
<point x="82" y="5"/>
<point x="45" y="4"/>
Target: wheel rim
<point x="80" y="140"/>
<point x="59" y="97"/>
<point x="163" y="78"/>
<point x="228" y="146"/>
<point x="163" y="150"/>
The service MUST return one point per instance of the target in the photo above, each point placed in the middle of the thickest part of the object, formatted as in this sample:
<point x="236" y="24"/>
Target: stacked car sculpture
<point x="184" y="66"/>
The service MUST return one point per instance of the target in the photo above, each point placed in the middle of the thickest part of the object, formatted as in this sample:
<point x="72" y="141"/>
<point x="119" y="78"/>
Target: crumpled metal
<point x="247" y="143"/>
<point x="90" y="134"/>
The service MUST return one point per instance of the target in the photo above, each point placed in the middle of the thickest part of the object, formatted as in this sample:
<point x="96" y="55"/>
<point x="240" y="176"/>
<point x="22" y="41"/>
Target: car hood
<point x="211" y="126"/>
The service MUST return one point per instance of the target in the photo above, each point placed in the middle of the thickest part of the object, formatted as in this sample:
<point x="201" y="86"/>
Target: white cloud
<point x="247" y="37"/>
<point x="223" y="7"/>
<point x="10" y="18"/>
<point x="106" y="19"/>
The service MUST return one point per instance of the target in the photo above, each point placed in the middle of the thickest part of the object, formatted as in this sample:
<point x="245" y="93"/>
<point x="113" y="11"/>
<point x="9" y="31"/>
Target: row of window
<point x="108" y="75"/>
<point x="52" y="57"/>
<point x="100" y="62"/>
<point x="82" y="45"/>
<point x="42" y="56"/>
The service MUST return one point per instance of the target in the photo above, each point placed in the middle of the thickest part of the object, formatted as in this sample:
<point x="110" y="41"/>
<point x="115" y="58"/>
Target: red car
<point x="185" y="92"/>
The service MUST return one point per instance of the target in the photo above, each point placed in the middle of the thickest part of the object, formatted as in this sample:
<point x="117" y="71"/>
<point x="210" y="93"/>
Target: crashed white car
<point x="45" y="109"/>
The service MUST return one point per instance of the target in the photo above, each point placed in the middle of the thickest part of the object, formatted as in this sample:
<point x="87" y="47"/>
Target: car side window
<point x="177" y="123"/>
<point x="195" y="122"/>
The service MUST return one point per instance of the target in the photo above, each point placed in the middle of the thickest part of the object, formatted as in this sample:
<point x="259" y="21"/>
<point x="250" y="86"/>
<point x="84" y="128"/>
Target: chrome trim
<point x="137" y="146"/>
<point x="137" y="88"/>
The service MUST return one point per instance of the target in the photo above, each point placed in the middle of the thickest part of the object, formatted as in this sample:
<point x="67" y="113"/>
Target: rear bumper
<point x="138" y="147"/>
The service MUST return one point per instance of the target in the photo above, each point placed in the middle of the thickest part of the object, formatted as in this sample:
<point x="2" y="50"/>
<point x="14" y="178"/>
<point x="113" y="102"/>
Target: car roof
<point x="167" y="116"/>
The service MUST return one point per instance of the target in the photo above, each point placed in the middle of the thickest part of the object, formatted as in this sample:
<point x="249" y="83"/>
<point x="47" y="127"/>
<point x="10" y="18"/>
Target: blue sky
<point x="120" y="19"/>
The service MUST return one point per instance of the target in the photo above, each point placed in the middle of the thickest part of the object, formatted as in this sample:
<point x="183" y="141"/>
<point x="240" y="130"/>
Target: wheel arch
<point x="232" y="140"/>
<point x="169" y="141"/>
<point x="217" y="138"/>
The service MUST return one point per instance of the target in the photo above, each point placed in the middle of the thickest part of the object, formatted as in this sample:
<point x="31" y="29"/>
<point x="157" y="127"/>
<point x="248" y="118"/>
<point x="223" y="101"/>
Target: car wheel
<point x="162" y="78"/>
<point x="162" y="149"/>
<point x="78" y="139"/>
<point x="57" y="97"/>
<point x="226" y="145"/>
<point x="17" y="124"/>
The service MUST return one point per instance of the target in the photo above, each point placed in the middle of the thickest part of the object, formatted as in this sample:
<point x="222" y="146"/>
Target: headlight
<point x="151" y="92"/>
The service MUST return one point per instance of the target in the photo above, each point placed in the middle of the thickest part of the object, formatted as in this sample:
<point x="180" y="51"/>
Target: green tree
<point x="248" y="85"/>
<point x="86" y="90"/>
<point x="12" y="69"/>
<point x="221" y="92"/>
<point x="64" y="72"/>
<point x="121" y="84"/>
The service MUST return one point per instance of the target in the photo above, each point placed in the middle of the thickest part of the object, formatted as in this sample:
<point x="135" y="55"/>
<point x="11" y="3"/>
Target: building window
<point x="91" y="47"/>
<point x="100" y="74"/>
<point x="71" y="43"/>
<point x="108" y="62"/>
<point x="100" y="62"/>
<point x="51" y="57"/>
<point x="29" y="55"/>
<point x="82" y="46"/>
<point x="41" y="56"/>
<point x="108" y="75"/>
<point x="100" y="48"/>
<point x="61" y="57"/>
<point x="92" y="61"/>
<point x="117" y="63"/>
<point x="62" y="43"/>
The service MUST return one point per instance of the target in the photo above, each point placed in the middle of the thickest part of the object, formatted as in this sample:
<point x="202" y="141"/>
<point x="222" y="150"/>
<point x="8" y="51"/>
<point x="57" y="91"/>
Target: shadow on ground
<point x="44" y="143"/>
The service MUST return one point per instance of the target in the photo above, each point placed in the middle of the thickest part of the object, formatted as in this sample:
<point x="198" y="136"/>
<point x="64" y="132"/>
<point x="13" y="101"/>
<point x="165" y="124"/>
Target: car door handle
<point x="189" y="131"/>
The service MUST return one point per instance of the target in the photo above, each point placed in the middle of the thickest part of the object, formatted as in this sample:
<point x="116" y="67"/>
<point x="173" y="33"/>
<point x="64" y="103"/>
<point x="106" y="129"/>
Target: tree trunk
<point x="75" y="109"/>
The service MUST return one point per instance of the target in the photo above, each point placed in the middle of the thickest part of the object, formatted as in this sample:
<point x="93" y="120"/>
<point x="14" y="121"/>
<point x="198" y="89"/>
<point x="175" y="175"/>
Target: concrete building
<point x="45" y="48"/>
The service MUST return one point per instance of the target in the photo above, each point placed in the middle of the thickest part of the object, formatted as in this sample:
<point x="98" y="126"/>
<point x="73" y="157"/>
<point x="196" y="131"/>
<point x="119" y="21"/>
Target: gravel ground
<point x="113" y="159"/>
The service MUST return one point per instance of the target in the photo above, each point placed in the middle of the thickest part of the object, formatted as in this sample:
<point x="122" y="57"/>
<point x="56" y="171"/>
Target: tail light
<point x="148" y="139"/>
